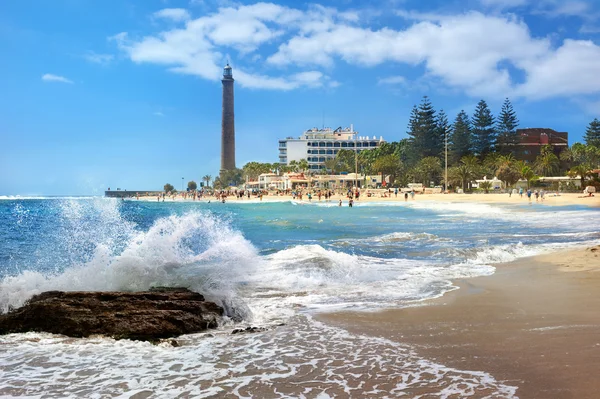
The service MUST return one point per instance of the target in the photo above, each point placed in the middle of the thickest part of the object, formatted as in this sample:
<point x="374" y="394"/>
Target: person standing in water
<point x="340" y="204"/>
<point x="350" y="202"/>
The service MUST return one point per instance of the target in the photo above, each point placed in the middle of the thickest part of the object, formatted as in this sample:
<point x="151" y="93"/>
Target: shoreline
<point x="563" y="199"/>
<point x="534" y="323"/>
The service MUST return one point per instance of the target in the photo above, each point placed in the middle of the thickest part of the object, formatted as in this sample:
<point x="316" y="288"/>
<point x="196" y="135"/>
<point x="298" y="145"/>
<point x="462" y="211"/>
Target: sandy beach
<point x="550" y="199"/>
<point x="532" y="324"/>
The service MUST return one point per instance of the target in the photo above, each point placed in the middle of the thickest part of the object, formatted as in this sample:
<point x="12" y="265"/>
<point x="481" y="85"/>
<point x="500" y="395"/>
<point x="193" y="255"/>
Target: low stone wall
<point x="129" y="194"/>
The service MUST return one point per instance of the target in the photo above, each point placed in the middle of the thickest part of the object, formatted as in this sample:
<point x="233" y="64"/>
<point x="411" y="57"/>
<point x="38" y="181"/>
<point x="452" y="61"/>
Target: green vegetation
<point x="192" y="185"/>
<point x="168" y="187"/>
<point x="479" y="146"/>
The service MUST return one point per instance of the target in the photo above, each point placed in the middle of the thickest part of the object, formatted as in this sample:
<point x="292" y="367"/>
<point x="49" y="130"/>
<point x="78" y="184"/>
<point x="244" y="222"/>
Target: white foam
<point x="126" y="259"/>
<point x="320" y="360"/>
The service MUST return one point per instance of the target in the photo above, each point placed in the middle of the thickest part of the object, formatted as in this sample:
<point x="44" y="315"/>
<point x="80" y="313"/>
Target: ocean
<point x="271" y="265"/>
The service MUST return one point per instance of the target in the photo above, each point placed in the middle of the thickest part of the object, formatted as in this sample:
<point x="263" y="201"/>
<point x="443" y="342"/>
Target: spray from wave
<point x="102" y="251"/>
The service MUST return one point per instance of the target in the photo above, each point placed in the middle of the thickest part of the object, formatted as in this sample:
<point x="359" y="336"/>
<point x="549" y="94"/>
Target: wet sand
<point x="532" y="324"/>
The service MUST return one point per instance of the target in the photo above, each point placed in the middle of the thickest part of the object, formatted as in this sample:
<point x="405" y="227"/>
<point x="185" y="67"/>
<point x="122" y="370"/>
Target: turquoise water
<point x="371" y="255"/>
<point x="268" y="264"/>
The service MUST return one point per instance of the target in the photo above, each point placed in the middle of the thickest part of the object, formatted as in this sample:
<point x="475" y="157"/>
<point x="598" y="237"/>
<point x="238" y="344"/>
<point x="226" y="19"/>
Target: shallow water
<point x="272" y="263"/>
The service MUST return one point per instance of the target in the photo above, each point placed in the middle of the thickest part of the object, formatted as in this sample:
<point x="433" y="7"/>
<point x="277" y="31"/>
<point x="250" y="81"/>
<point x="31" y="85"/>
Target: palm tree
<point x="293" y="165"/>
<point x="207" y="179"/>
<point x="486" y="185"/>
<point x="582" y="170"/>
<point x="546" y="163"/>
<point x="526" y="172"/>
<point x="303" y="165"/>
<point x="332" y="165"/>
<point x="465" y="173"/>
<point x="505" y="160"/>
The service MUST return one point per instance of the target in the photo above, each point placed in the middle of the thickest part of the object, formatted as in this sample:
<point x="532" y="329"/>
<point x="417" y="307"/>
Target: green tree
<point x="526" y="172"/>
<point x="427" y="170"/>
<point x="484" y="133"/>
<point x="293" y="165"/>
<point x="192" y="185"/>
<point x="424" y="131"/>
<point x="485" y="185"/>
<point x="303" y="165"/>
<point x="168" y="187"/>
<point x="490" y="164"/>
<point x="509" y="174"/>
<point x="460" y="138"/>
<point x="461" y="173"/>
<point x="547" y="162"/>
<point x="332" y="165"/>
<point x="232" y="177"/>
<point x="582" y="158"/>
<point x="506" y="126"/>
<point x="345" y="160"/>
<point x="592" y="133"/>
<point x="582" y="170"/>
<point x="444" y="131"/>
<point x="388" y="165"/>
<point x="207" y="179"/>
<point x="252" y="170"/>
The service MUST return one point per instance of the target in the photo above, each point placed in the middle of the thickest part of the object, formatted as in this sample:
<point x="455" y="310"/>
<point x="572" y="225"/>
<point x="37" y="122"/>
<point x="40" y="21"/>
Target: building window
<point x="322" y="159"/>
<point x="330" y="152"/>
<point x="336" y="144"/>
<point x="321" y="144"/>
<point x="321" y="152"/>
<point x="344" y="145"/>
<point x="329" y="144"/>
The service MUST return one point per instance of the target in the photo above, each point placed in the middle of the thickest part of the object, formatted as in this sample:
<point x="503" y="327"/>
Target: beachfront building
<point x="318" y="145"/>
<point x="531" y="141"/>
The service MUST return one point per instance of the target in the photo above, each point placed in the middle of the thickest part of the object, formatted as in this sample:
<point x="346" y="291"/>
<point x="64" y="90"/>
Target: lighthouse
<point x="227" y="122"/>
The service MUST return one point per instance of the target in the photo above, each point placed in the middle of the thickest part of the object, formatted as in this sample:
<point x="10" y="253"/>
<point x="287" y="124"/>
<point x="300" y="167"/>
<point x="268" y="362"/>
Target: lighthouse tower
<point x="227" y="122"/>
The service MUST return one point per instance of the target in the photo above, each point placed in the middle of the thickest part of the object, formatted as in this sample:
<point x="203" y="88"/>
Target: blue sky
<point x="99" y="94"/>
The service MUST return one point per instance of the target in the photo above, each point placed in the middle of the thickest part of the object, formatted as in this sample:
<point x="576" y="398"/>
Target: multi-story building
<point x="531" y="141"/>
<point x="318" y="145"/>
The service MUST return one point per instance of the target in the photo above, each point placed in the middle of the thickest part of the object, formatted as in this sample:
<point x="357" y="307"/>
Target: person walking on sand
<point x="405" y="197"/>
<point x="396" y="192"/>
<point x="521" y="192"/>
<point x="529" y="194"/>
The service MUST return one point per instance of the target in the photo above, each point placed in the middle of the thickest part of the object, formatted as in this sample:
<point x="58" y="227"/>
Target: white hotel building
<point x="318" y="145"/>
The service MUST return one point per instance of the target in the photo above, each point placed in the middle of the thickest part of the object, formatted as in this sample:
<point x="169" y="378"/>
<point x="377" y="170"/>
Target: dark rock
<point x="149" y="315"/>
<point x="248" y="330"/>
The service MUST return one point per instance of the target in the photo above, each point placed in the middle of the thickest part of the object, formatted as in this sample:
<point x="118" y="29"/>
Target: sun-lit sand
<point x="530" y="324"/>
<point x="550" y="198"/>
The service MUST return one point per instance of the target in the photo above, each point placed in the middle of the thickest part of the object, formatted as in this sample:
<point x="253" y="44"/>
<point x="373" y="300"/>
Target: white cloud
<point x="475" y="53"/>
<point x="310" y="79"/>
<point x="571" y="69"/>
<point x="173" y="14"/>
<point x="102" y="59"/>
<point x="48" y="77"/>
<point x="158" y="113"/>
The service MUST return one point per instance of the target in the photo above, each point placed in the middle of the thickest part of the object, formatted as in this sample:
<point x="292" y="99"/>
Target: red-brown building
<point x="532" y="140"/>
